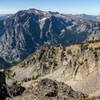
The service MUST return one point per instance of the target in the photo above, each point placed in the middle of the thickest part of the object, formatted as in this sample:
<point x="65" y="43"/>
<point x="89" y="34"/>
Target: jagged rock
<point x="47" y="89"/>
<point x="15" y="90"/>
<point x="3" y="86"/>
<point x="52" y="90"/>
<point x="8" y="91"/>
<point x="45" y="60"/>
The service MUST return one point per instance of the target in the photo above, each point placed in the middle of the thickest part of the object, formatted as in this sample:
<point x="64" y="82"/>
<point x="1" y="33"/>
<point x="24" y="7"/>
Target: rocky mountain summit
<point x="22" y="33"/>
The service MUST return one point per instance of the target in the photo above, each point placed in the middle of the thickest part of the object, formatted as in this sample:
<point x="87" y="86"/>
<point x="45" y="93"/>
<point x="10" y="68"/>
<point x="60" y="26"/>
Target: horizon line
<point x="9" y="11"/>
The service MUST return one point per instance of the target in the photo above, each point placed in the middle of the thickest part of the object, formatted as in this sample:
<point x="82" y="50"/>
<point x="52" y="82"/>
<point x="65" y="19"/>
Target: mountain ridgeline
<point x="22" y="33"/>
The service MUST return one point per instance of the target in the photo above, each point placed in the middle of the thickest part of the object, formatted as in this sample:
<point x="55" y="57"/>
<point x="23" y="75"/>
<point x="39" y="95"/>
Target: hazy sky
<point x="63" y="6"/>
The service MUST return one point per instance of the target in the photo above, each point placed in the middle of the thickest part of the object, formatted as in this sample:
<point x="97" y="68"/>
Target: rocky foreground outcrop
<point x="52" y="90"/>
<point x="3" y="86"/>
<point x="47" y="89"/>
<point x="8" y="91"/>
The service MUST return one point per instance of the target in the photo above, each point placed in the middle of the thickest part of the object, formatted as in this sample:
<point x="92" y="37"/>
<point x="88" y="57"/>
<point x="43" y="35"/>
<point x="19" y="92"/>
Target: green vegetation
<point x="96" y="56"/>
<point x="84" y="47"/>
<point x="91" y="49"/>
<point x="55" y="63"/>
<point x="69" y="51"/>
<point x="97" y="48"/>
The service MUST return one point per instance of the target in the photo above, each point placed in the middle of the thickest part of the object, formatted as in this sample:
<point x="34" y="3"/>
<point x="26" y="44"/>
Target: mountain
<point x="4" y="16"/>
<point x="22" y="33"/>
<point x="85" y="16"/>
<point x="76" y="65"/>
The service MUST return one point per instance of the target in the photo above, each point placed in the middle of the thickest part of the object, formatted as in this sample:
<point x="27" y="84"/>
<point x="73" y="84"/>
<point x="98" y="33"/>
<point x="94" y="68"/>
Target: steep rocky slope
<point x="22" y="33"/>
<point x="43" y="61"/>
<point x="76" y="65"/>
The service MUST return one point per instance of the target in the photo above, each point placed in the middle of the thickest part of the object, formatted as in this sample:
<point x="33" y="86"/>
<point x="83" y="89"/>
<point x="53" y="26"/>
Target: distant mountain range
<point x="4" y="16"/>
<point x="86" y="16"/>
<point x="22" y="33"/>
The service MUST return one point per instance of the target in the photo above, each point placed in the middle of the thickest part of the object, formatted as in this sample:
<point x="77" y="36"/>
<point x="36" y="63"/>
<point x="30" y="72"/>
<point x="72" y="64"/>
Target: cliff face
<point x="22" y="33"/>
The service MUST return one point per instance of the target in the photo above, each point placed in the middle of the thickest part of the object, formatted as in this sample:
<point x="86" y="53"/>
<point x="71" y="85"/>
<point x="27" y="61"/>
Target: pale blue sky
<point x="63" y="6"/>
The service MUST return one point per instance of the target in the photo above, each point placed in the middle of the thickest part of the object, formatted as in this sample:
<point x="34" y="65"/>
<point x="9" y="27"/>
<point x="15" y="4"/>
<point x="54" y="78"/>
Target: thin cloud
<point x="7" y="11"/>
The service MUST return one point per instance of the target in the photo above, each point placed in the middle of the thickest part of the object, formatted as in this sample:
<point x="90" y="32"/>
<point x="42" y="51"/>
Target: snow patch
<point x="43" y="19"/>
